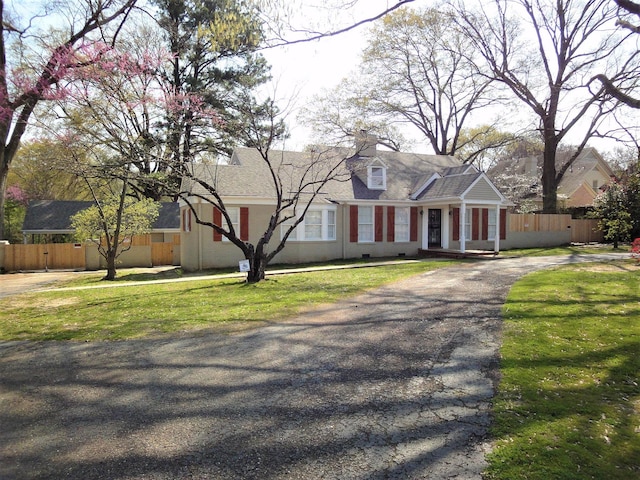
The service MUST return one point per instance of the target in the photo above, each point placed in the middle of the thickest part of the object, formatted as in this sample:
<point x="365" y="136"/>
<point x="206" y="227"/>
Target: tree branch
<point x="320" y="35"/>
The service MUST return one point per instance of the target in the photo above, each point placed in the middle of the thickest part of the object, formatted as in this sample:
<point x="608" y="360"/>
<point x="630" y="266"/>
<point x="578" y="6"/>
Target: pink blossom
<point x="15" y="193"/>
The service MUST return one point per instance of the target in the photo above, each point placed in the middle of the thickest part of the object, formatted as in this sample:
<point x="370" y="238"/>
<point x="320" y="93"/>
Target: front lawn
<point x="568" y="405"/>
<point x="134" y="311"/>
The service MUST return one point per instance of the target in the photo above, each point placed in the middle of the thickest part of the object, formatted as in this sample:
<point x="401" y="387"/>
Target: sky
<point x="303" y="70"/>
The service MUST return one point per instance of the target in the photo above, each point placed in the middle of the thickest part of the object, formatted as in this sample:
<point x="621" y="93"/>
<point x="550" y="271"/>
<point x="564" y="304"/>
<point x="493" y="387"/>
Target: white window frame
<point x="233" y="212"/>
<point x="404" y="214"/>
<point x="301" y="233"/>
<point x="376" y="182"/>
<point x="361" y="234"/>
<point x="492" y="225"/>
<point x="329" y="226"/>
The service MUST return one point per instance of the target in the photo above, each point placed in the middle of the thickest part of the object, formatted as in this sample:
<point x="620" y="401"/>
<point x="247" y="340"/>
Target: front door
<point x="435" y="228"/>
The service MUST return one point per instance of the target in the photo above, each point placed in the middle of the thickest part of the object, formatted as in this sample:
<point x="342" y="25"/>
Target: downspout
<point x="198" y="236"/>
<point x="344" y="230"/>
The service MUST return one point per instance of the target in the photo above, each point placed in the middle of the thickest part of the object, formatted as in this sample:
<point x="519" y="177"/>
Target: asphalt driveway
<point x="396" y="383"/>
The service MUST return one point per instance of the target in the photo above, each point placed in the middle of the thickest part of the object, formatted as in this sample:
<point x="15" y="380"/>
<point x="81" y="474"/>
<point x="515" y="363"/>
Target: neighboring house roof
<point x="573" y="180"/>
<point x="248" y="176"/>
<point x="54" y="216"/>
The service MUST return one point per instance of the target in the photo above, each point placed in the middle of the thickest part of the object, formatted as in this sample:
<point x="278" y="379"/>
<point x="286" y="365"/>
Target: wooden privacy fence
<point x="581" y="230"/>
<point x="44" y="256"/>
<point x="70" y="256"/>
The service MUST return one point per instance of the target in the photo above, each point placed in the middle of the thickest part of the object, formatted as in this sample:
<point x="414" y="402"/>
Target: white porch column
<point x="496" y="241"/>
<point x="424" y="214"/>
<point x="463" y="222"/>
<point x="445" y="225"/>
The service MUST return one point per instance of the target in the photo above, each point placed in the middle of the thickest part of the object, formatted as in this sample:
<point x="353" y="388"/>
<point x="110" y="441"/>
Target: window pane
<point x="313" y="232"/>
<point x="365" y="233"/>
<point x="401" y="233"/>
<point x="313" y="217"/>
<point x="365" y="215"/>
<point x="331" y="225"/>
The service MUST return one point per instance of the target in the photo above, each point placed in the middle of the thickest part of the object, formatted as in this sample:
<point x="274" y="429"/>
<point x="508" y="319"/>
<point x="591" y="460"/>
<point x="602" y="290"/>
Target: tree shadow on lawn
<point x="570" y="406"/>
<point x="404" y="397"/>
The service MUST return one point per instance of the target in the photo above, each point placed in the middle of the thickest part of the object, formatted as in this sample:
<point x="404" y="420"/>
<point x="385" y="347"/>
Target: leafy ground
<point x="568" y="405"/>
<point x="132" y="311"/>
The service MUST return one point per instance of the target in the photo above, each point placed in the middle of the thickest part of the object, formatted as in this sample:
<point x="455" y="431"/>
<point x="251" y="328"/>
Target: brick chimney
<point x="366" y="144"/>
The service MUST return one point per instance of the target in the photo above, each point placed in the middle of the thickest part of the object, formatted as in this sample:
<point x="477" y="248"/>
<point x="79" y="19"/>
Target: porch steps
<point x="444" y="253"/>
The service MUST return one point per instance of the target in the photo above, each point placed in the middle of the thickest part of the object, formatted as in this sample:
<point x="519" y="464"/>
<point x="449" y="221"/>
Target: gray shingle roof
<point x="248" y="175"/>
<point x="449" y="187"/>
<point x="55" y="215"/>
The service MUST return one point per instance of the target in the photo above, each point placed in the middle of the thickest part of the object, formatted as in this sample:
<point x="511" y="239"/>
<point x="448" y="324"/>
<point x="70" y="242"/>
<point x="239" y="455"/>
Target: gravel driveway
<point x="395" y="383"/>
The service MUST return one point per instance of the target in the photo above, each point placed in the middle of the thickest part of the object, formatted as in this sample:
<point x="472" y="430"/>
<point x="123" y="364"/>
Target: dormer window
<point x="377" y="177"/>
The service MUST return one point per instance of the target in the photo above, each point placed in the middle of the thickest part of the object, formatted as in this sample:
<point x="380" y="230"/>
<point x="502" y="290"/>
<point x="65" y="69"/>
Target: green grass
<point x="142" y="310"/>
<point x="568" y="405"/>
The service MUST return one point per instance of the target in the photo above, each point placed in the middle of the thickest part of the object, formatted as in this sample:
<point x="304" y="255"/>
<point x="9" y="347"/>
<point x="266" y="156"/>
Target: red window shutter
<point x="456" y="224"/>
<point x="217" y="220"/>
<point x="475" y="223"/>
<point x="244" y="224"/>
<point x="503" y="224"/>
<point x="391" y="224"/>
<point x="379" y="223"/>
<point x="413" y="225"/>
<point x="485" y="224"/>
<point x="353" y="223"/>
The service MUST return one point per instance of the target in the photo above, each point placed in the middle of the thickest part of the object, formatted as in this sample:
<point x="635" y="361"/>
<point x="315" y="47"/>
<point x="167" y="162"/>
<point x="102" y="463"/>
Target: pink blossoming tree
<point x="44" y="61"/>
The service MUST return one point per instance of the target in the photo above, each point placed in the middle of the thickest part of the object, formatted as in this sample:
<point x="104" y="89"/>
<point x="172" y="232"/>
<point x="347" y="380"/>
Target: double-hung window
<point x="491" y="224"/>
<point x="318" y="225"/>
<point x="377" y="177"/>
<point x="365" y="224"/>
<point x="401" y="224"/>
<point x="467" y="224"/>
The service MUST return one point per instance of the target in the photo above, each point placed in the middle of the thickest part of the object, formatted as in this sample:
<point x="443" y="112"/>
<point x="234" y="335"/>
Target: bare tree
<point x="33" y="63"/>
<point x="610" y="86"/>
<point x="295" y="186"/>
<point x="288" y="22"/>
<point x="415" y="72"/>
<point x="547" y="52"/>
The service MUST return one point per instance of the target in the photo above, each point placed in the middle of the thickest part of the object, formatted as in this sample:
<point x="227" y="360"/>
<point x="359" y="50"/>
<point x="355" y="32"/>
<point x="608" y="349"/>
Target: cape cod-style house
<point x="383" y="204"/>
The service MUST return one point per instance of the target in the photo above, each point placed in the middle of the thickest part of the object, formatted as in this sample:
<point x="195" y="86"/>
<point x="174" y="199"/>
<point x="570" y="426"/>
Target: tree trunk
<point x="3" y="189"/>
<point x="111" y="265"/>
<point x="258" y="266"/>
<point x="549" y="183"/>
